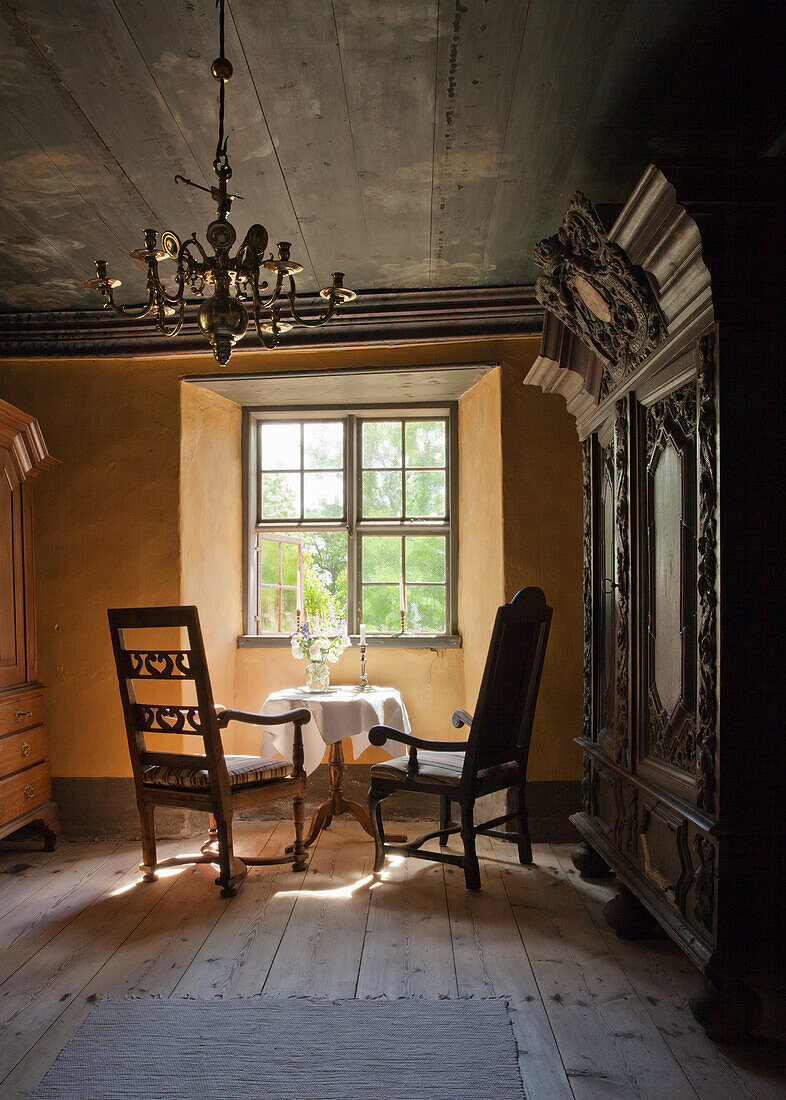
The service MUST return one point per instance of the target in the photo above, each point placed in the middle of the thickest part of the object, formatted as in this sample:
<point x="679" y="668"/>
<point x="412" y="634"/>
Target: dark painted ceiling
<point x="410" y="143"/>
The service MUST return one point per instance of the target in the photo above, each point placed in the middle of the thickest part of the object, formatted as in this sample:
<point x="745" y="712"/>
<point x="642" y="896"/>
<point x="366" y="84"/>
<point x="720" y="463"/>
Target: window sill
<point x="382" y="641"/>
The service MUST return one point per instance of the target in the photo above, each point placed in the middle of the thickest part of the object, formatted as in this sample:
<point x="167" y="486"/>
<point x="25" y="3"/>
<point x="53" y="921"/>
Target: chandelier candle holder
<point x="235" y="279"/>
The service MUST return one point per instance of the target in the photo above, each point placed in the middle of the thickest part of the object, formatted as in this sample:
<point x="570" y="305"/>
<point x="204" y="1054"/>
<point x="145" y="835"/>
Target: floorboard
<point x="664" y="979"/>
<point x="595" y="1017"/>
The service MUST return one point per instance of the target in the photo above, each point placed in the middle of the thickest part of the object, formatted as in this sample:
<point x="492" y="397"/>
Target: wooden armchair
<point x="212" y="782"/>
<point x="493" y="758"/>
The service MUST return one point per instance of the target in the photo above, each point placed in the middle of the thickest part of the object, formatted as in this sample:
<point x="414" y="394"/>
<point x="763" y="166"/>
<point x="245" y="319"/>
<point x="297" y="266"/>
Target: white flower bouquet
<point x="318" y="644"/>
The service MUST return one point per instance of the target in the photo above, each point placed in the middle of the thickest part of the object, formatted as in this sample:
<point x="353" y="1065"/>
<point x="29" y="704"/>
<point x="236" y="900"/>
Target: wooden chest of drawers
<point x="25" y="787"/>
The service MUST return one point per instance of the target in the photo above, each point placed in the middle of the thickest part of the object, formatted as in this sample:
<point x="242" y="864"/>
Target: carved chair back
<point x="502" y="723"/>
<point x="180" y="667"/>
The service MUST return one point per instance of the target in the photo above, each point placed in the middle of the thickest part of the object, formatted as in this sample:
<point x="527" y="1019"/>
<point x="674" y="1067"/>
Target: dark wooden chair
<point x="494" y="756"/>
<point x="212" y="782"/>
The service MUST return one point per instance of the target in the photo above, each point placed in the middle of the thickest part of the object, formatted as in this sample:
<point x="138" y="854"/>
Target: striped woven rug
<point x="289" y="1049"/>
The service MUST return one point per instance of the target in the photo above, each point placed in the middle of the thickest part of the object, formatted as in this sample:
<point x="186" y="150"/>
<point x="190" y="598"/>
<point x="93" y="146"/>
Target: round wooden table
<point x="336" y="714"/>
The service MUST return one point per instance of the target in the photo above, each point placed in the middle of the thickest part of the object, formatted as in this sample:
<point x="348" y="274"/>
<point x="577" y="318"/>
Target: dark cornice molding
<point x="376" y="317"/>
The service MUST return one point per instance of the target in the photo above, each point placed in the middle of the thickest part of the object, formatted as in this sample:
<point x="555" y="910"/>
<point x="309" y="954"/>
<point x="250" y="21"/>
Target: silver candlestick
<point x="364" y="684"/>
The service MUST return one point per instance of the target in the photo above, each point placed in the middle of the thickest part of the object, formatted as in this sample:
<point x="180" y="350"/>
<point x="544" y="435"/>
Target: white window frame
<point x="352" y="522"/>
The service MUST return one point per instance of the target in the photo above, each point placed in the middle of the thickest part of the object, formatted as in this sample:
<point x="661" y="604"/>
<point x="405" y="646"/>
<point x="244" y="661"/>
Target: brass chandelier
<point x="223" y="317"/>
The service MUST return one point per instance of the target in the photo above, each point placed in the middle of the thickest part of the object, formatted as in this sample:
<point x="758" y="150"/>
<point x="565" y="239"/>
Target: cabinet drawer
<point x="22" y="750"/>
<point x="24" y="791"/>
<point x="21" y="712"/>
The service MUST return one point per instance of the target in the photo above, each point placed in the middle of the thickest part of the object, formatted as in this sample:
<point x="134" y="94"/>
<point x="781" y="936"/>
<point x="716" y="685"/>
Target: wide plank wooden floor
<point x="594" y="1016"/>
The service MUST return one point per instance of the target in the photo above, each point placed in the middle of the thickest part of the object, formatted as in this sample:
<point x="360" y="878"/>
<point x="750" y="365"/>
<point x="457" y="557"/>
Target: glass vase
<point x="317" y="676"/>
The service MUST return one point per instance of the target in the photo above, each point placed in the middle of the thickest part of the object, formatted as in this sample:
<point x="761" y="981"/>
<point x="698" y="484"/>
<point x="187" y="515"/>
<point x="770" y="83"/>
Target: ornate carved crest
<point x="707" y="578"/>
<point x="592" y="287"/>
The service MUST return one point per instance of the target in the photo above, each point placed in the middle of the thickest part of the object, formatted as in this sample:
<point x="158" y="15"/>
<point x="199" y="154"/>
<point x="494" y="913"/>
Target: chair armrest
<point x="461" y="718"/>
<point x="378" y="735"/>
<point x="300" y="716"/>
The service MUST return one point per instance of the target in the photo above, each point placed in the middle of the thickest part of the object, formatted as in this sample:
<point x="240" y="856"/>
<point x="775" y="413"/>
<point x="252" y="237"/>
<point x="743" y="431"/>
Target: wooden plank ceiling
<point x="411" y="143"/>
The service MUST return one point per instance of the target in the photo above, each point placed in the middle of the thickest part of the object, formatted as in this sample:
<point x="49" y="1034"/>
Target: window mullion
<point x="352" y="478"/>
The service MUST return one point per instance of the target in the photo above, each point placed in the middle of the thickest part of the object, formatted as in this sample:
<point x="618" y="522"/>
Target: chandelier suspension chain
<point x="223" y="317"/>
<point x="221" y="144"/>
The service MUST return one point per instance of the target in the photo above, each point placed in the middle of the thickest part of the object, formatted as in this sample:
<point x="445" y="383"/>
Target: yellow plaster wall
<point x="211" y="525"/>
<point x="481" y="560"/>
<point x="112" y="527"/>
<point x="106" y="531"/>
<point x="541" y="463"/>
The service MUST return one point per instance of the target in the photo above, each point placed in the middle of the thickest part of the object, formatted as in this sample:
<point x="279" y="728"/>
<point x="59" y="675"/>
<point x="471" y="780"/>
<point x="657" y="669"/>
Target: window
<point x="350" y="521"/>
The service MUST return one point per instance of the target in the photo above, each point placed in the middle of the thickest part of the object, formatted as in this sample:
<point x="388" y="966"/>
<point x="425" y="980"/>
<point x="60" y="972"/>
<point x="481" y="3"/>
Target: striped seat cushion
<point x="444" y="767"/>
<point x="243" y="771"/>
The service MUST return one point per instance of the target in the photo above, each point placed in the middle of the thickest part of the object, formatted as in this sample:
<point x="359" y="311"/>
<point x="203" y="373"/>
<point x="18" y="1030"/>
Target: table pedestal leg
<point x="336" y="804"/>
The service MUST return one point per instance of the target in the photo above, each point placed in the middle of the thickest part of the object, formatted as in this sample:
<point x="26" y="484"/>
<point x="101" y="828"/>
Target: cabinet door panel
<point x="668" y="734"/>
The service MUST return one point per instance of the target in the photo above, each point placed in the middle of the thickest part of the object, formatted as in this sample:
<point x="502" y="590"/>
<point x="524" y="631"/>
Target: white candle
<point x="299" y="594"/>
<point x="402" y="605"/>
<point x="362" y="633"/>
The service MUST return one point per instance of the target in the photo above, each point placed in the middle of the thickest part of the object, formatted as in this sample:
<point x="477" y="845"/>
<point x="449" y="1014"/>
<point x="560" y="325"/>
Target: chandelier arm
<point x="268" y="302"/>
<point x="175" y="299"/>
<point x="133" y="313"/>
<point x="178" y="325"/>
<point x="332" y="306"/>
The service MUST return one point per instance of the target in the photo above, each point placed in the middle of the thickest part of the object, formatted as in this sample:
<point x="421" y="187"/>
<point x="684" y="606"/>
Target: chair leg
<point x="445" y="821"/>
<point x="299" y="862"/>
<point x="375" y="800"/>
<point x="232" y="870"/>
<point x="148" y="828"/>
<point x="523" y="840"/>
<point x="471" y="865"/>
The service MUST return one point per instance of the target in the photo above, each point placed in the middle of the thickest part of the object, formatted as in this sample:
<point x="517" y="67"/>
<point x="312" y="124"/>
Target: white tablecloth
<point x="336" y="713"/>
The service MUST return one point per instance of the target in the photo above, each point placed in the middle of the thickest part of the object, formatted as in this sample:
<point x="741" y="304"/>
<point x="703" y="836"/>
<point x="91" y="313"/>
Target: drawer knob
<point x="29" y="791"/>
<point x="25" y="749"/>
<point x="20" y="714"/>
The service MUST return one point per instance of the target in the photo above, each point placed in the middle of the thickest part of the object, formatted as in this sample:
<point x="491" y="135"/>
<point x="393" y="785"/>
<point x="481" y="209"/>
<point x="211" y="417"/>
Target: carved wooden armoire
<point x="25" y="787"/>
<point x="682" y="733"/>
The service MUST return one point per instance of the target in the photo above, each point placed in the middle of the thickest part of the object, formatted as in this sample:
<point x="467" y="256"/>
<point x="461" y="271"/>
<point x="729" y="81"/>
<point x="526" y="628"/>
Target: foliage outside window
<point x="367" y="501"/>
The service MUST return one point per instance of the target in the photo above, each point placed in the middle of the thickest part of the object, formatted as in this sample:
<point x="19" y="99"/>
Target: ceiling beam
<point x="376" y="317"/>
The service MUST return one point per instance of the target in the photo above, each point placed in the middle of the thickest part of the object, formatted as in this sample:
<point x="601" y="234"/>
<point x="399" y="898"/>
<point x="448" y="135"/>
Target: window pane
<point x="324" y="496"/>
<point x="289" y="556"/>
<point x="280" y="496"/>
<point x="382" y="558"/>
<point x="325" y="575"/>
<point x="425" y="443"/>
<point x="425" y="558"/>
<point x="382" y="444"/>
<point x="426" y="609"/>
<point x="267" y="561"/>
<point x="288" y="616"/>
<point x="323" y="446"/>
<point x="280" y="447"/>
<point x="426" y="494"/>
<point x="381" y="611"/>
<point x="268" y="610"/>
<point x="381" y="495"/>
